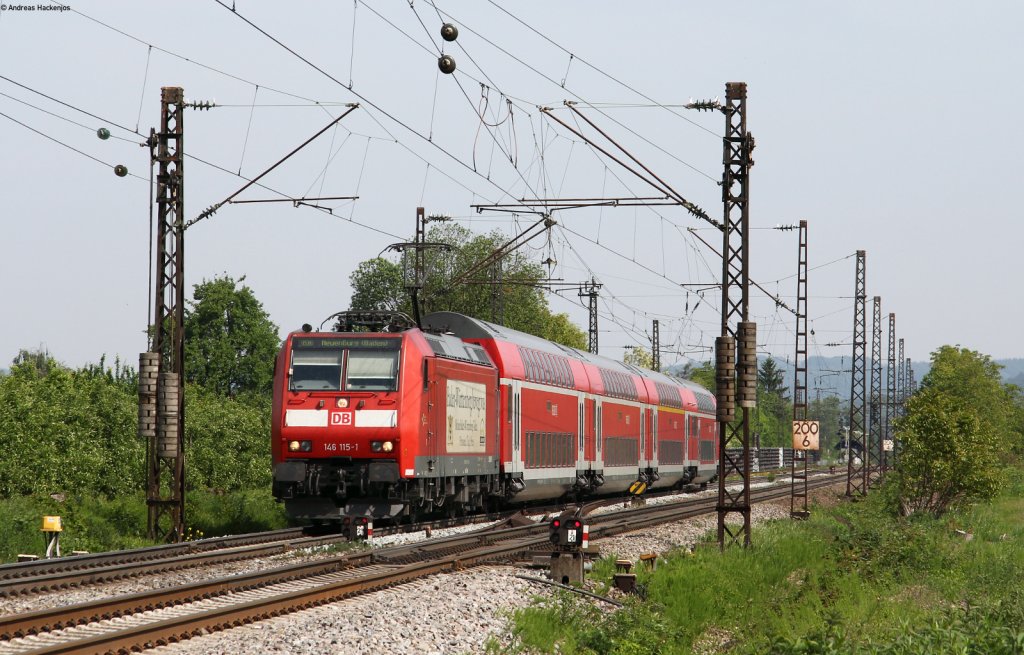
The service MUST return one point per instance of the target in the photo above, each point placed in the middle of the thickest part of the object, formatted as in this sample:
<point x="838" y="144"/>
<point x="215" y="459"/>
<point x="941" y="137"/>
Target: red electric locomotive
<point x="464" y="413"/>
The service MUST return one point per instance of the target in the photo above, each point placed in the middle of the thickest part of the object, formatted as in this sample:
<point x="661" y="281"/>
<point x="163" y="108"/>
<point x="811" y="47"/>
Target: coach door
<point x="515" y="403"/>
<point x="581" y="432"/>
<point x="643" y="438"/>
<point x="653" y="414"/>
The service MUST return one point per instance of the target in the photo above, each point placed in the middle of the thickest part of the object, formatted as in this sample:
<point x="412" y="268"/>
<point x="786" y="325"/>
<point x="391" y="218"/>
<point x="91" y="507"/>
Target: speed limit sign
<point x="805" y="435"/>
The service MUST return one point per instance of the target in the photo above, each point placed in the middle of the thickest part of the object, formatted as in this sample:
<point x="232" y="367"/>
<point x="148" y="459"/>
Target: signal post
<point x="570" y="536"/>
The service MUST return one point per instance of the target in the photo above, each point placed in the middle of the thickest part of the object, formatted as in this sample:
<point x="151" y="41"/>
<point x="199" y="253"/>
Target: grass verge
<point x="852" y="579"/>
<point x="98" y="524"/>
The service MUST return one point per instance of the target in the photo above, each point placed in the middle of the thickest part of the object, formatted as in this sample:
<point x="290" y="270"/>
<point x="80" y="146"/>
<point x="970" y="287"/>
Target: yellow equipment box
<point x="52" y="524"/>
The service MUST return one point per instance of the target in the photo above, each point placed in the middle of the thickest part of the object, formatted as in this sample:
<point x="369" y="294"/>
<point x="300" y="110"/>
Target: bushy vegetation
<point x="958" y="433"/>
<point x="70" y="444"/>
<point x="70" y="435"/>
<point x="63" y="430"/>
<point x="856" y="578"/>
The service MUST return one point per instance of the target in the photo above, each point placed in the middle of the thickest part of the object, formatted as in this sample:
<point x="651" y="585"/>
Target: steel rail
<point x="46" y="566"/>
<point x="118" y="571"/>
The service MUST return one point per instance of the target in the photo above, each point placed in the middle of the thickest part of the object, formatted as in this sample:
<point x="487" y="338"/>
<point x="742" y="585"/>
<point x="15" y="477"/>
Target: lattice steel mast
<point x="873" y="446"/>
<point x="856" y="474"/>
<point x="589" y="291"/>
<point x="798" y="477"/>
<point x="737" y="148"/>
<point x="165" y="455"/>
<point x="890" y="404"/>
<point x="901" y="382"/>
<point x="655" y="347"/>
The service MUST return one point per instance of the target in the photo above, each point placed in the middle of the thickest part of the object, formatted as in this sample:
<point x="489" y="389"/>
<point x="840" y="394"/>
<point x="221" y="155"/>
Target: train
<point x="380" y="417"/>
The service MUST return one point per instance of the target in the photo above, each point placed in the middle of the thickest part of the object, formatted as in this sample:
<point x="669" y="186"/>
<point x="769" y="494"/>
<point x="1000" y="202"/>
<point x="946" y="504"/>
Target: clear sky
<point x="891" y="127"/>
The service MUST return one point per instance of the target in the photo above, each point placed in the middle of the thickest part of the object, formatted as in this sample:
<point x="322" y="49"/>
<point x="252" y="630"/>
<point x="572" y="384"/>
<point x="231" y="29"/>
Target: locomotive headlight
<point x="306" y="446"/>
<point x="293" y="446"/>
<point x="342" y="403"/>
<point x="375" y="446"/>
<point x="387" y="446"/>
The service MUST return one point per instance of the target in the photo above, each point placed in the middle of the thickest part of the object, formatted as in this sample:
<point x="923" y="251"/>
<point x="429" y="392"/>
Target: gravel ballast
<point x="450" y="614"/>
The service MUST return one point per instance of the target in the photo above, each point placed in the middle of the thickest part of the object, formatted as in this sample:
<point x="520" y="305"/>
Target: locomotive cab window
<point x="372" y="370"/>
<point x="349" y="364"/>
<point x="316" y="370"/>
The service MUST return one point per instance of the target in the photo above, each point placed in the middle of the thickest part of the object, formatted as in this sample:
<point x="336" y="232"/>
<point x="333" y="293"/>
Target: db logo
<point x="341" y="418"/>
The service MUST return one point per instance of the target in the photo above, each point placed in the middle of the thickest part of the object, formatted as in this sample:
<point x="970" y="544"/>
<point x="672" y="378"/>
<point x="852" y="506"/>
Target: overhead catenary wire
<point x="190" y="155"/>
<point x="361" y="96"/>
<point x="532" y="178"/>
<point x="583" y="100"/>
<point x="209" y="211"/>
<point x="69" y="147"/>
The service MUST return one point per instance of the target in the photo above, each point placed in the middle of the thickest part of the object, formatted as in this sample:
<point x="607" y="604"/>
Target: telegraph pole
<point x="737" y="146"/>
<point x="890" y="405"/>
<point x="589" y="290"/>
<point x="875" y="421"/>
<point x="856" y="475"/>
<point x="161" y="370"/>
<point x="798" y="478"/>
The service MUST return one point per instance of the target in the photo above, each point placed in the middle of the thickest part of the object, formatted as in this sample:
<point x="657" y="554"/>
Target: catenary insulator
<point x="447" y="64"/>
<point x="449" y="32"/>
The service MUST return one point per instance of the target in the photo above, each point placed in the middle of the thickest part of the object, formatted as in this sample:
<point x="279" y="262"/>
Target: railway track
<point x="149" y="619"/>
<point x="81" y="570"/>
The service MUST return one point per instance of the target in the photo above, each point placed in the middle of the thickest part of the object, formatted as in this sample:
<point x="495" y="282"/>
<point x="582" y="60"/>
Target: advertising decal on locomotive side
<point x="466" y="404"/>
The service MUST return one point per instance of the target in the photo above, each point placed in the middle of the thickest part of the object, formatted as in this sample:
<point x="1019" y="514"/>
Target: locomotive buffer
<point x="569" y="537"/>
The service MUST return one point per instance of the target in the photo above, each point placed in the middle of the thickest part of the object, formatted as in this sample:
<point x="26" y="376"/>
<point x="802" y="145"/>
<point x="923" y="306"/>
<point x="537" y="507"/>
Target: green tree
<point x="945" y="457"/>
<point x="637" y="356"/>
<point x="771" y="421"/>
<point x="953" y="440"/>
<point x="561" y="329"/>
<point x="74" y="431"/>
<point x="377" y="284"/>
<point x="827" y="412"/>
<point x="230" y="342"/>
<point x="704" y="375"/>
<point x="228" y="440"/>
<point x="770" y="378"/>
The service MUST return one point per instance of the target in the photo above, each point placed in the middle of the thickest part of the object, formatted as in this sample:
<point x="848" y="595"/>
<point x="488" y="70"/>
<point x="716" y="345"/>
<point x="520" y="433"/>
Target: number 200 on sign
<point x="805" y="435"/>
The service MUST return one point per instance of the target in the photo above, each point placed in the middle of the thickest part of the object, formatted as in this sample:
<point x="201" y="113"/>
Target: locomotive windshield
<point x="352" y="364"/>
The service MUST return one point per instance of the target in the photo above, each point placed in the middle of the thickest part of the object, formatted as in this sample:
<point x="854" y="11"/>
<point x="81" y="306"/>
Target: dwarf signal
<point x="569" y="534"/>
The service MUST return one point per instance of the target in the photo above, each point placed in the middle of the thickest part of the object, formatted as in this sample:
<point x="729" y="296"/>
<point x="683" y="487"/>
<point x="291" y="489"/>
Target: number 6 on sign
<point x="805" y="435"/>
